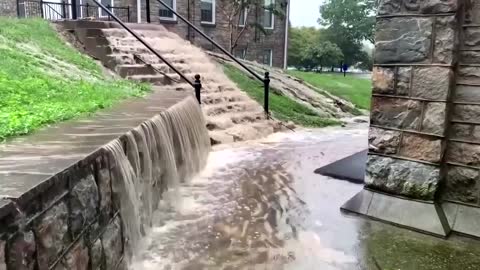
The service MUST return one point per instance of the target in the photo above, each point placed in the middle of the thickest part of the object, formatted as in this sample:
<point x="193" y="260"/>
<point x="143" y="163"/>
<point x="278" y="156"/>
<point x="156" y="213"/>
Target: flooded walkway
<point x="260" y="206"/>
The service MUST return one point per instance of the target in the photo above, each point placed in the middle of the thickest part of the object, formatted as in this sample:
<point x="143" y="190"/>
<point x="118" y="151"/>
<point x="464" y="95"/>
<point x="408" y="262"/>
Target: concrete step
<point x="227" y="120"/>
<point x="135" y="69"/>
<point x="215" y="98"/>
<point x="250" y="131"/>
<point x="155" y="79"/>
<point x="230" y="107"/>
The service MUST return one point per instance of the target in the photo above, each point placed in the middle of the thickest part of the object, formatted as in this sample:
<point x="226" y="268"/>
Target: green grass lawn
<point x="356" y="90"/>
<point x="43" y="80"/>
<point x="282" y="107"/>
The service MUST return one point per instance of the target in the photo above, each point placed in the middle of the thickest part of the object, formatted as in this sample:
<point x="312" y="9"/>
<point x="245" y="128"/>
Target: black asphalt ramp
<point x="351" y="168"/>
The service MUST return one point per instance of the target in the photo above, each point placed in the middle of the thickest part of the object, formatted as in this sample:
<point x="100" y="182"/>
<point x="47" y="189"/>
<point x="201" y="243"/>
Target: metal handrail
<point x="265" y="80"/>
<point x="194" y="85"/>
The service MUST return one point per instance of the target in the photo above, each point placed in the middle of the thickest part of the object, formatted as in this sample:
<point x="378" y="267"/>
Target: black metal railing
<point x="197" y="86"/>
<point x="55" y="11"/>
<point x="265" y="80"/>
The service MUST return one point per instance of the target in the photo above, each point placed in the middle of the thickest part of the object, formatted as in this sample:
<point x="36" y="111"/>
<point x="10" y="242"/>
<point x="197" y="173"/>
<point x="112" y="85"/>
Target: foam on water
<point x="155" y="157"/>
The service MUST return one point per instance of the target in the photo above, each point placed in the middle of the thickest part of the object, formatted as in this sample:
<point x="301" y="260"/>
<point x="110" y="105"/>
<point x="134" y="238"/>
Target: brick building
<point x="209" y="15"/>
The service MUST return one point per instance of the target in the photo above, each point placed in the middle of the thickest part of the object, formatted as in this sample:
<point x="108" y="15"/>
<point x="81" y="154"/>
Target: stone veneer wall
<point x="8" y="8"/>
<point x="68" y="222"/>
<point x="413" y="80"/>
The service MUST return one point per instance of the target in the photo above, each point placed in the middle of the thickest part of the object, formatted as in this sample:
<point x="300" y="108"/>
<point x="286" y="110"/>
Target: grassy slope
<point x="356" y="90"/>
<point x="283" y="108"/>
<point x="43" y="80"/>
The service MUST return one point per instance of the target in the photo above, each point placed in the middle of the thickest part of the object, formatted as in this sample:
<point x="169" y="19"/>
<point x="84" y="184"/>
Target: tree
<point x="300" y="38"/>
<point x="356" y="18"/>
<point x="237" y="10"/>
<point x="319" y="55"/>
<point x="348" y="23"/>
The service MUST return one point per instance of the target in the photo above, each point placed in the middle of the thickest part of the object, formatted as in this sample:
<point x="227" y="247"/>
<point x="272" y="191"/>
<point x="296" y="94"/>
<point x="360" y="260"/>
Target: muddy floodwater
<point x="258" y="205"/>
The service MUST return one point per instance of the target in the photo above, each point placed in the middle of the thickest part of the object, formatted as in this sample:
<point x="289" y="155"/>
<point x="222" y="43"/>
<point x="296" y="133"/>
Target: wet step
<point x="230" y="107"/>
<point x="215" y="98"/>
<point x="156" y="79"/>
<point x="228" y="120"/>
<point x="135" y="69"/>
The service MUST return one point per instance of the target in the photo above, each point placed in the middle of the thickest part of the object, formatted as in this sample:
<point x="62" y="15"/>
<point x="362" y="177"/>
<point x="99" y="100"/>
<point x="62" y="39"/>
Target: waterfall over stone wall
<point x="159" y="154"/>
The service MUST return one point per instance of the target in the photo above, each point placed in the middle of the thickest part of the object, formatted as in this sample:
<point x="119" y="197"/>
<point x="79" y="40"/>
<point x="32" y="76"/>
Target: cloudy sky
<point x="304" y="12"/>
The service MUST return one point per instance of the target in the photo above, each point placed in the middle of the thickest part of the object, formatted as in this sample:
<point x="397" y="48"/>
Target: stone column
<point x="461" y="192"/>
<point x="413" y="78"/>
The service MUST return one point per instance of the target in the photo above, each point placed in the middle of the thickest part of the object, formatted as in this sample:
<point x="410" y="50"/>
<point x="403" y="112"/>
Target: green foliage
<point x="282" y="107"/>
<point x="356" y="90"/>
<point x="300" y="38"/>
<point x="323" y="54"/>
<point x="43" y="80"/>
<point x="348" y="23"/>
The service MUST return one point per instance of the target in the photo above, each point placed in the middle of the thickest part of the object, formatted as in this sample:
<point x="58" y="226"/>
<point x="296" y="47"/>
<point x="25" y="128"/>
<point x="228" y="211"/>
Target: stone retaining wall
<point x="69" y="222"/>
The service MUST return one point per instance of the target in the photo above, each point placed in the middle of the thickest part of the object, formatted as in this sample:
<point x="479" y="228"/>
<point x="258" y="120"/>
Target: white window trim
<point x="245" y="16"/>
<point x="214" y="3"/>
<point x="174" y="18"/>
<point x="271" y="57"/>
<point x="273" y="20"/>
<point x="100" y="10"/>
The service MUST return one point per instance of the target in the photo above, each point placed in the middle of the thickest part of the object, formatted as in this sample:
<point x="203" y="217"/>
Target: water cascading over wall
<point x="161" y="153"/>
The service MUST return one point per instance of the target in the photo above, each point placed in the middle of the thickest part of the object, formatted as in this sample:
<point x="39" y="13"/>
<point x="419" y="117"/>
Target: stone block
<point x="466" y="219"/>
<point x="3" y="264"/>
<point x="398" y="113"/>
<point x="472" y="12"/>
<point x="383" y="141"/>
<point x="421" y="147"/>
<point x="471" y="38"/>
<point x="407" y="44"/>
<point x="464" y="153"/>
<point x="76" y="258"/>
<point x="469" y="74"/>
<point x="105" y="190"/>
<point x="21" y="252"/>
<point x="436" y="6"/>
<point x="476" y="132"/>
<point x="434" y="118"/>
<point x="470" y="57"/>
<point x="83" y="204"/>
<point x="468" y="113"/>
<point x="444" y="40"/>
<point x="467" y="93"/>
<point x="404" y="75"/>
<point x="401" y="177"/>
<point x="112" y="243"/>
<point x="462" y="184"/>
<point x="97" y="258"/>
<point x="52" y="234"/>
<point x="431" y="83"/>
<point x="383" y="80"/>
<point x="461" y="131"/>
<point x="387" y="7"/>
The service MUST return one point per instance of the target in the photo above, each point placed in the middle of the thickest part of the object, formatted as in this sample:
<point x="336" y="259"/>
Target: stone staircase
<point x="231" y="115"/>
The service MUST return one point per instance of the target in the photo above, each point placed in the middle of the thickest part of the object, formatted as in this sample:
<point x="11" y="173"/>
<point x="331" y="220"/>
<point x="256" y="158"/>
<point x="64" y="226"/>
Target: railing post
<point x="128" y="13"/>
<point x="41" y="9"/>
<point x="64" y="10"/>
<point x="198" y="87"/>
<point x="74" y="9"/>
<point x="109" y="8"/>
<point x="147" y="10"/>
<point x="266" y="85"/>
<point x="86" y="7"/>
<point x="18" y="8"/>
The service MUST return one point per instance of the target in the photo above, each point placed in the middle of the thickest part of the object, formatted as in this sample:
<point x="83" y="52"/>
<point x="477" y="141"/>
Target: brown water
<point x="260" y="206"/>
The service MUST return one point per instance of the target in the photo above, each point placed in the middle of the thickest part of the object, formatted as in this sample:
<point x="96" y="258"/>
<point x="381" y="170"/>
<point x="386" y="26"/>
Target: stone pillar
<point x="461" y="193"/>
<point x="413" y="81"/>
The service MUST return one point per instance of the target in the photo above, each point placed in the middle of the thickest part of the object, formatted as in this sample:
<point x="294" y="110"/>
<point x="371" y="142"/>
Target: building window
<point x="268" y="57"/>
<point x="106" y="3"/>
<point x="268" y="16"/>
<point x="207" y="11"/>
<point x="241" y="53"/>
<point x="165" y="13"/>
<point x="242" y="18"/>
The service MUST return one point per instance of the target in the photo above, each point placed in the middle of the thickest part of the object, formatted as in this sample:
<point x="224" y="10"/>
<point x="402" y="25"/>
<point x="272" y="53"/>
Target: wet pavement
<point x="259" y="205"/>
